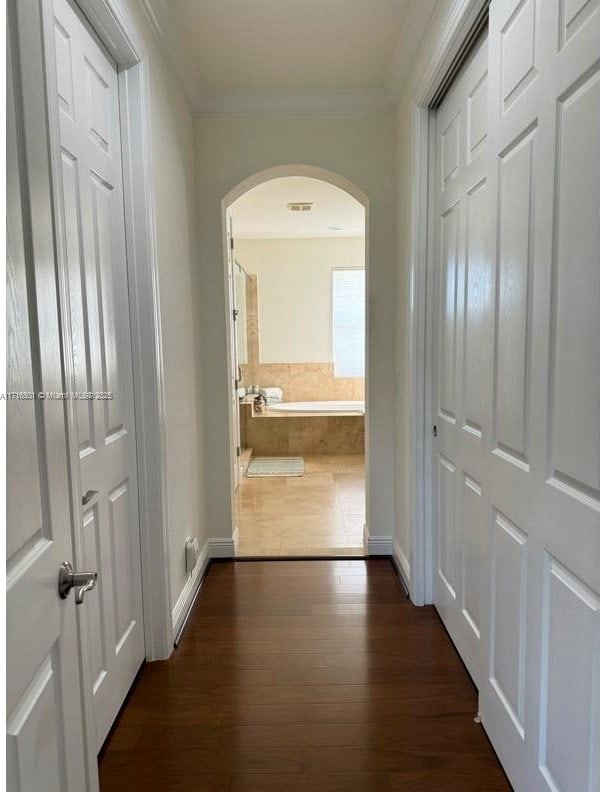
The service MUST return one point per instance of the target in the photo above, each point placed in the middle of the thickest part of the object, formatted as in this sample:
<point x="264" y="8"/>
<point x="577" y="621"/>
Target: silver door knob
<point x="81" y="581"/>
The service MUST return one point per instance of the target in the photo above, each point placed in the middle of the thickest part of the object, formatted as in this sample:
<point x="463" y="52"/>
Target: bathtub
<point x="339" y="407"/>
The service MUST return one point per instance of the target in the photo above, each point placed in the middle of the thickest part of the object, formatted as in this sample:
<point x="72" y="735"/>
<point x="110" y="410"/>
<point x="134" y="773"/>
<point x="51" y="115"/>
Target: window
<point x="348" y="310"/>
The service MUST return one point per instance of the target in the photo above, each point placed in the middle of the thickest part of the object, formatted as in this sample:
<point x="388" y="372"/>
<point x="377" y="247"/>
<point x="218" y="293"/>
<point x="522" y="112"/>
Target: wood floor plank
<point x="311" y="676"/>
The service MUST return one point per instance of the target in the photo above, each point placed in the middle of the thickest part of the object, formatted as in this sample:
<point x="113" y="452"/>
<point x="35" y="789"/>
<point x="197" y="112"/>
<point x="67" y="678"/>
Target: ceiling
<point x="330" y="55"/>
<point x="262" y="213"/>
<point x="283" y="45"/>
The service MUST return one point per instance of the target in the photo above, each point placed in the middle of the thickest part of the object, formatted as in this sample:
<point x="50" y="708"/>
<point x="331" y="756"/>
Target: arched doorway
<point x="303" y="231"/>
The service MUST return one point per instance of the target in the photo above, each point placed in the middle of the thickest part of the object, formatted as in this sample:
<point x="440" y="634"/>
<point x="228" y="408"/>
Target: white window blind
<point x="348" y="309"/>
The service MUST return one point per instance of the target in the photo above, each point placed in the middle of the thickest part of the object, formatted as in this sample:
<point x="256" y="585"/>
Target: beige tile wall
<point x="304" y="381"/>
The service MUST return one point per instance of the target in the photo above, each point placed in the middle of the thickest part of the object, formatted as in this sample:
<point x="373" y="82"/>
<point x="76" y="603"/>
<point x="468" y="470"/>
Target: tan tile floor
<point x="320" y="513"/>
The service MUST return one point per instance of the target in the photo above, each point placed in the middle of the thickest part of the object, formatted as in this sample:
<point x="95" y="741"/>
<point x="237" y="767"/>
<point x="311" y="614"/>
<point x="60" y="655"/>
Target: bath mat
<point x="275" y="466"/>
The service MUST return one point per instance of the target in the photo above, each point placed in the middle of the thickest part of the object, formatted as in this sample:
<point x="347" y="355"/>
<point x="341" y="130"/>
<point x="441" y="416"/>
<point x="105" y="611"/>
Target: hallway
<point x="296" y="676"/>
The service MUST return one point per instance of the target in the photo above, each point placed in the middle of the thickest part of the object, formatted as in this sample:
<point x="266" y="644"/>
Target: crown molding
<point x="424" y="18"/>
<point x="324" y="102"/>
<point x="168" y="35"/>
<point x="163" y="22"/>
<point x="444" y="35"/>
<point x="417" y="22"/>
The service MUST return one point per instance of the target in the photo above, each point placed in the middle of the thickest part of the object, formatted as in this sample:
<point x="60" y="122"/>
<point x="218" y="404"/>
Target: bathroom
<point x="297" y="290"/>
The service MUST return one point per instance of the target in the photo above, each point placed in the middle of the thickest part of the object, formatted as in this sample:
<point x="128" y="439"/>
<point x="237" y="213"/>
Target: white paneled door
<point x="90" y="140"/>
<point x="517" y="575"/>
<point x="45" y="747"/>
<point x="464" y="355"/>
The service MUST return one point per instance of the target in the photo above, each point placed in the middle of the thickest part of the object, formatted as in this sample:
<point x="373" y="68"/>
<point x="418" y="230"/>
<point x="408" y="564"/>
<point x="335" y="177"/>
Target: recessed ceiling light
<point x="334" y="228"/>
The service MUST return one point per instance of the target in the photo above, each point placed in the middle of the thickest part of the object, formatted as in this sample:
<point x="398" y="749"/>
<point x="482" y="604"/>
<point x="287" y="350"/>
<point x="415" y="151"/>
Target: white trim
<point x="423" y="15"/>
<point x="223" y="547"/>
<point x="190" y="589"/>
<point x="402" y="564"/>
<point x="296" y="103"/>
<point x="420" y="427"/>
<point x="439" y="47"/>
<point x="166" y="29"/>
<point x="146" y="337"/>
<point x="379" y="545"/>
<point x="446" y="35"/>
<point x="212" y="548"/>
<point x="420" y="14"/>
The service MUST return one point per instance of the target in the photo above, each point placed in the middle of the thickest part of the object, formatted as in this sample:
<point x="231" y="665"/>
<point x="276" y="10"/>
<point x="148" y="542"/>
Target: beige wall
<point x="360" y="148"/>
<point x="172" y="152"/>
<point x="294" y="293"/>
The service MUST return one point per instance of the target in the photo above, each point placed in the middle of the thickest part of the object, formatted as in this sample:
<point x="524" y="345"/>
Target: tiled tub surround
<point x="304" y="381"/>
<point x="320" y="513"/>
<point x="291" y="434"/>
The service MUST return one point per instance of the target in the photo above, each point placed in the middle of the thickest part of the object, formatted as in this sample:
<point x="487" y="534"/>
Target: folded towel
<point x="272" y="395"/>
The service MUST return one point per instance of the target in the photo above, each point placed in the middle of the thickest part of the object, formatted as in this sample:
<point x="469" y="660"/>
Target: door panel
<point x="575" y="451"/>
<point x="45" y="748"/>
<point x="464" y="357"/>
<point x="449" y="245"/>
<point x="508" y="617"/>
<point x="513" y="337"/>
<point x="570" y="630"/>
<point x="88" y="108"/>
<point x="474" y="556"/>
<point x="545" y="469"/>
<point x="527" y="522"/>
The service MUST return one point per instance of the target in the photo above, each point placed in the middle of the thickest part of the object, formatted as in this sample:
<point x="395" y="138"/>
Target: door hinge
<point x="235" y="313"/>
<point x="238" y="451"/>
<point x="236" y="383"/>
<point x="434" y="430"/>
<point x="231" y="242"/>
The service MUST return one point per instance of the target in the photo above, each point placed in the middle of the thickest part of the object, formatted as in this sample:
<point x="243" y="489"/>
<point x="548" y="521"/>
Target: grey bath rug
<point x="275" y="466"/>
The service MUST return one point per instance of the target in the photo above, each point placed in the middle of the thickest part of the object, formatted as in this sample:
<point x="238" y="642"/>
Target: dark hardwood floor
<point x="304" y="676"/>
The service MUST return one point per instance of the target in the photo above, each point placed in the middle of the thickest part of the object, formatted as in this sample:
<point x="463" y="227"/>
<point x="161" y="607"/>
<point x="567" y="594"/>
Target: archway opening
<point x="296" y="267"/>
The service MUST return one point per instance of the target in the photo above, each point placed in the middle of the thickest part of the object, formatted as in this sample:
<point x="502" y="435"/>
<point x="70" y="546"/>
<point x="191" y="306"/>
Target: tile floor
<point x="320" y="513"/>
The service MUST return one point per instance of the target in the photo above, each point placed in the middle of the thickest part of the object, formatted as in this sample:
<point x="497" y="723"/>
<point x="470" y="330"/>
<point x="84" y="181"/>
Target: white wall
<point x="360" y="148"/>
<point x="172" y="150"/>
<point x="294" y="293"/>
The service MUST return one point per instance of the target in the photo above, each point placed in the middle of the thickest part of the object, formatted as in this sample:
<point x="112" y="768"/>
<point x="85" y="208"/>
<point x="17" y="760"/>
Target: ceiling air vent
<point x="300" y="206"/>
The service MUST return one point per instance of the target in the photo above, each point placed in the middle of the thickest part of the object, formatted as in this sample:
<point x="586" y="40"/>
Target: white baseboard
<point x="402" y="564"/>
<point x="222" y="548"/>
<point x="212" y="548"/>
<point x="185" y="599"/>
<point x="379" y="545"/>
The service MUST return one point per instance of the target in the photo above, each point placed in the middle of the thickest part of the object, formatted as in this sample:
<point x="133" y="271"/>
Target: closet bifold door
<point x="463" y="355"/>
<point x="540" y="699"/>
